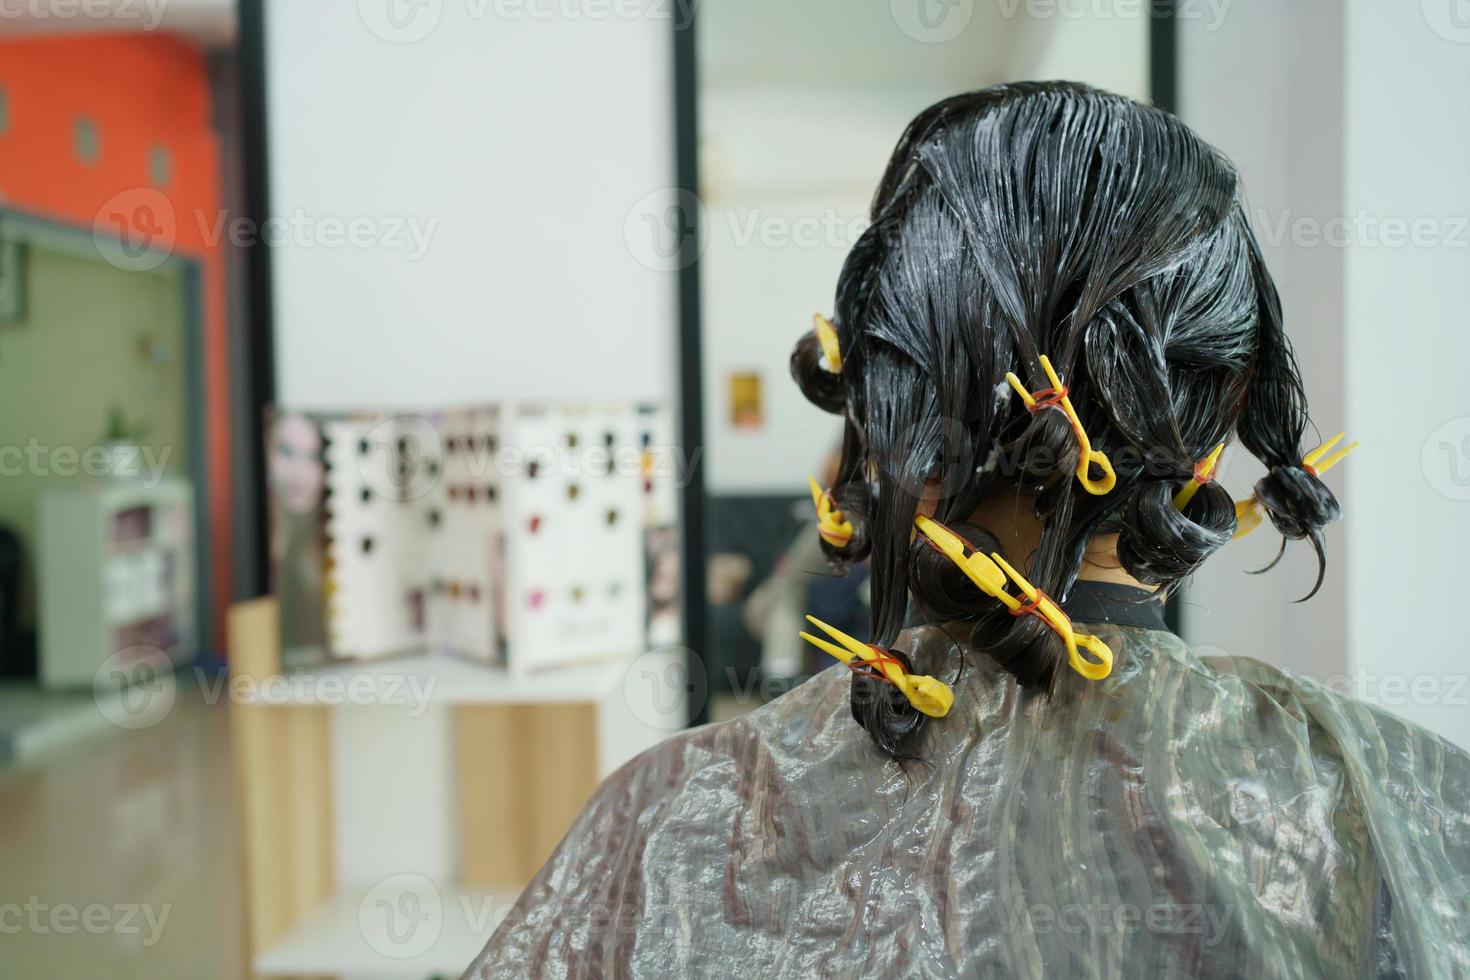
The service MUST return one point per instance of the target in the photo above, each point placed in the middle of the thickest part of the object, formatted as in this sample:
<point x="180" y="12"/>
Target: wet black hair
<point x="1051" y="218"/>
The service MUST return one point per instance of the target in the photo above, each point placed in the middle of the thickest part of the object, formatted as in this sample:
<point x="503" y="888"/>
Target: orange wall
<point x="142" y="91"/>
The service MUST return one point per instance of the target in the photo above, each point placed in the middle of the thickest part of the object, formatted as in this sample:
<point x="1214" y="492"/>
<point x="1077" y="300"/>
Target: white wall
<point x="1091" y="46"/>
<point x="784" y="202"/>
<point x="1408" y="139"/>
<point x="1263" y="84"/>
<point x="517" y="146"/>
<point x="1338" y="117"/>
<point x="801" y="106"/>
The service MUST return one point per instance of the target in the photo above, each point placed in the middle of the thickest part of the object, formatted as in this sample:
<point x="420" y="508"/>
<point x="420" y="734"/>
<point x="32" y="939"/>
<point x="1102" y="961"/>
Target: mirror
<point x="799" y="106"/>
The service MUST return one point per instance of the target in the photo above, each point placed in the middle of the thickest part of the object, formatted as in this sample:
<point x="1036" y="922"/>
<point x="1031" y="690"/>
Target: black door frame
<point x="253" y="571"/>
<point x="691" y="358"/>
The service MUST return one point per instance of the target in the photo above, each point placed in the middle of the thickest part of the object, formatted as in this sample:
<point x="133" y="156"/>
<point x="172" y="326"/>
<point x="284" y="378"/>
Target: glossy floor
<point x="119" y="857"/>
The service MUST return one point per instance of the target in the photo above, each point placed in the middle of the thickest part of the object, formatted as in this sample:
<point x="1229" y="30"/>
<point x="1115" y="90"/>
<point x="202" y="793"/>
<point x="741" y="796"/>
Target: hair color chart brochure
<point x="529" y="536"/>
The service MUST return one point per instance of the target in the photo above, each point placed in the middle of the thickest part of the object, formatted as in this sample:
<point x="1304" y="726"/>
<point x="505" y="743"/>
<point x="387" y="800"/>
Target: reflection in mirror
<point x="799" y="108"/>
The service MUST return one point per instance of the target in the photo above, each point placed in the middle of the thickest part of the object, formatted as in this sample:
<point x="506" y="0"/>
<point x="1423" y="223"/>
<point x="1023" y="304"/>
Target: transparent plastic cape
<point x="1183" y="817"/>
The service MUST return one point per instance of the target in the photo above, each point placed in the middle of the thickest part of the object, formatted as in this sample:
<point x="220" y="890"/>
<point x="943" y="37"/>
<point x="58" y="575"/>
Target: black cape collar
<point x="1115" y="603"/>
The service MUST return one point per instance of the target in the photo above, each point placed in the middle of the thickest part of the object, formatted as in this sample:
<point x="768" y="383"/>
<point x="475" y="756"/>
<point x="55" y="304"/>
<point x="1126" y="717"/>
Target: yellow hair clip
<point x="1313" y="462"/>
<point x="989" y="575"/>
<point x="1204" y="472"/>
<point x="1056" y="397"/>
<point x="1247" y="517"/>
<point x="831" y="347"/>
<point x="927" y="694"/>
<point x="1248" y="511"/>
<point x="832" y="524"/>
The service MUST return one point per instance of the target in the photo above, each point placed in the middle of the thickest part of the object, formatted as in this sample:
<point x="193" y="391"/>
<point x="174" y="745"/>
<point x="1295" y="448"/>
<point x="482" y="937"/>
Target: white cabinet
<point x="115" y="572"/>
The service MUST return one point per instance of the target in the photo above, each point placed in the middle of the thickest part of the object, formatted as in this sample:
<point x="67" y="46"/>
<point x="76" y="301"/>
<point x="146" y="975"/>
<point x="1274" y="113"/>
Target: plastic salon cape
<point x="1183" y="817"/>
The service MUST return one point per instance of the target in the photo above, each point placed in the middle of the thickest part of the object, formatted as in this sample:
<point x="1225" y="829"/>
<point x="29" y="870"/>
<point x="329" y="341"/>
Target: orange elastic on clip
<point x="1204" y="472"/>
<point x="931" y="696"/>
<point x="832" y="524"/>
<point x="874" y="668"/>
<point x="989" y="575"/>
<point x="1056" y="397"/>
<point x="1316" y="462"/>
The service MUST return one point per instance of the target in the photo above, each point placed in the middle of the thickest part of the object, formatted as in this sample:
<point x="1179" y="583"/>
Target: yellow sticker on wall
<point x="745" y="400"/>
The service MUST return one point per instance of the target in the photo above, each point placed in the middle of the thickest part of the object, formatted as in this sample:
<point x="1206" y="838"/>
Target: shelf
<point x="357" y="934"/>
<point x="440" y="679"/>
<point x="336" y="805"/>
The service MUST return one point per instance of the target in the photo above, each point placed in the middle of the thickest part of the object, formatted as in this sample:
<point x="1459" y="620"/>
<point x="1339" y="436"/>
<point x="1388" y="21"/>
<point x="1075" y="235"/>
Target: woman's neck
<point x="1012" y="519"/>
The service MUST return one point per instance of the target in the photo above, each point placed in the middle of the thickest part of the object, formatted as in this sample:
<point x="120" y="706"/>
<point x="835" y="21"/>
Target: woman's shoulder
<point x="1371" y="734"/>
<point x="675" y="810"/>
<point x="810" y="722"/>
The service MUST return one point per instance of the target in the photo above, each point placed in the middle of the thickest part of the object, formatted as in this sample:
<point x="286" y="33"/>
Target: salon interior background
<point x="205" y="209"/>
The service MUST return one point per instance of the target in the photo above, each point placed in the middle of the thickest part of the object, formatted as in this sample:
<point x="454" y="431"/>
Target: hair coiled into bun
<point x="1158" y="545"/>
<point x="1022" y="645"/>
<point x="1300" y="506"/>
<point x="1297" y="501"/>
<point x="883" y="711"/>
<point x="852" y="500"/>
<point x="821" y="387"/>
